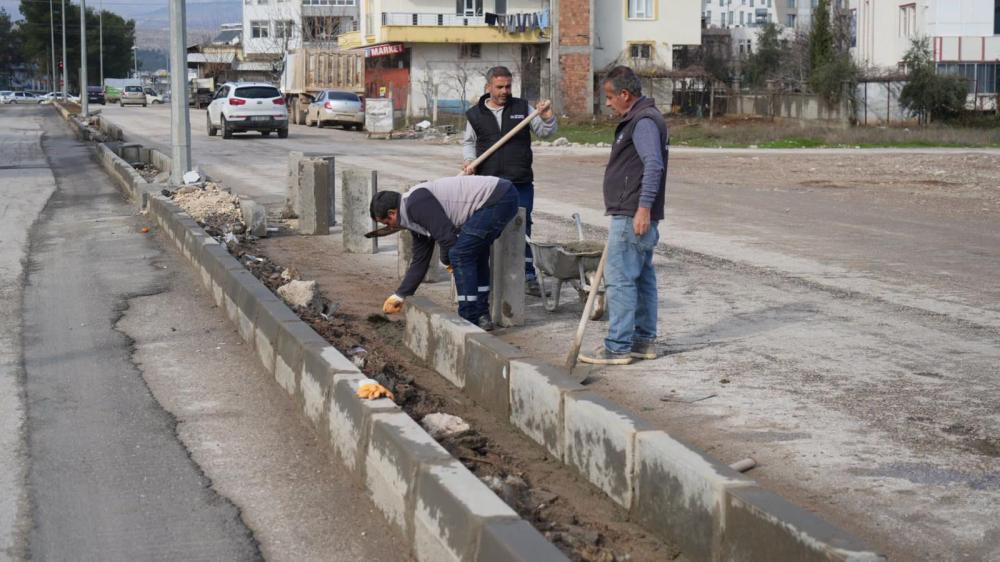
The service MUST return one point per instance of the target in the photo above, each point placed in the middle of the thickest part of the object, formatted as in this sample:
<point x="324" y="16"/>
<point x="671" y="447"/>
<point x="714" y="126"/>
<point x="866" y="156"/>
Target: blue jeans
<point x="631" y="285"/>
<point x="470" y="256"/>
<point x="526" y="199"/>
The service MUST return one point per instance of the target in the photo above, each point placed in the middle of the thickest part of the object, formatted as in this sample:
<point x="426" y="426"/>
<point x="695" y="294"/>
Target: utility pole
<point x="65" y="84"/>
<point x="180" y="128"/>
<point x="100" y="19"/>
<point x="84" y="109"/>
<point x="52" y="33"/>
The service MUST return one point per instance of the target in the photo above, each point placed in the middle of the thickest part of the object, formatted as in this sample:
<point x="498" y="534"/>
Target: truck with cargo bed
<point x="309" y="71"/>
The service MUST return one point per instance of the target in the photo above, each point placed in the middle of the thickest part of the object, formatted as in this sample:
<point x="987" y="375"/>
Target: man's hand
<point x="468" y="169"/>
<point x="544" y="108"/>
<point x="640" y="223"/>
<point x="392" y="305"/>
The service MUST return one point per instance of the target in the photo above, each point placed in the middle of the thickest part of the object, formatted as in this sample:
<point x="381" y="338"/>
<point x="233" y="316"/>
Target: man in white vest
<point x="463" y="215"/>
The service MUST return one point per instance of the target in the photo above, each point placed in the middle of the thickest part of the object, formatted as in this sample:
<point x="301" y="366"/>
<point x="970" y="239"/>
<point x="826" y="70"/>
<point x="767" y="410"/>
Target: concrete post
<point x="313" y="196"/>
<point x="358" y="187"/>
<point x="84" y="101"/>
<point x="292" y="207"/>
<point x="507" y="285"/>
<point x="180" y="122"/>
<point x="435" y="273"/>
<point x="331" y="182"/>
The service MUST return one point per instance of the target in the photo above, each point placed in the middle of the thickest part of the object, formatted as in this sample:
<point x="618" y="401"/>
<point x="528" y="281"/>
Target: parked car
<point x="51" y="97"/>
<point x="95" y="94"/>
<point x="25" y="97"/>
<point x="337" y="107"/>
<point x="238" y="107"/>
<point x="132" y="95"/>
<point x="6" y="96"/>
<point x="152" y="97"/>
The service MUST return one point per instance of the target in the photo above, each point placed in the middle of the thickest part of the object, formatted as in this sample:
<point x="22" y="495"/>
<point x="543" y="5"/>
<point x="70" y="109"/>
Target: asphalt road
<point x="842" y="329"/>
<point x="125" y="435"/>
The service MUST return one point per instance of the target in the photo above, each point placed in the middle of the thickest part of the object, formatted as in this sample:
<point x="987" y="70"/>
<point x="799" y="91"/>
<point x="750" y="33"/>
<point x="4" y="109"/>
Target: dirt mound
<point x="210" y="205"/>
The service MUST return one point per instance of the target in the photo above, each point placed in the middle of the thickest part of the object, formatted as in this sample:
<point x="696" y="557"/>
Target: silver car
<point x="132" y="95"/>
<point x="25" y="97"/>
<point x="336" y="107"/>
<point x="6" y="95"/>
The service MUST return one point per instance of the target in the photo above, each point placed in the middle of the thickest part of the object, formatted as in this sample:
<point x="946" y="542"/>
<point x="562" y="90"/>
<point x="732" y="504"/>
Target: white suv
<point x="250" y="106"/>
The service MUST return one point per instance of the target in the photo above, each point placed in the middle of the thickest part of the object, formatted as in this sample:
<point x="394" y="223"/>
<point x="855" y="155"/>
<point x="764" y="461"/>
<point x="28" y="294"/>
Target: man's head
<point x="498" y="84"/>
<point x="385" y="208"/>
<point x="622" y="88"/>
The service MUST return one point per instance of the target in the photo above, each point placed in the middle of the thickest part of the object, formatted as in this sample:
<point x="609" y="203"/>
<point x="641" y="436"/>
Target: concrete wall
<point x="439" y="65"/>
<point x="878" y="104"/>
<point x="806" y="107"/>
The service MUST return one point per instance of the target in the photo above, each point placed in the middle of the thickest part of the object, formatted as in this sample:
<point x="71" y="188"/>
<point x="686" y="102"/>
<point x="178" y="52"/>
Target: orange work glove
<point x="371" y="390"/>
<point x="392" y="305"/>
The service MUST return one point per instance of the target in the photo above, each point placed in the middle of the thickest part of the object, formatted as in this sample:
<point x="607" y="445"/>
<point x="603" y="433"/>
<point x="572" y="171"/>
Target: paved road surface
<point x="845" y="337"/>
<point x="126" y="434"/>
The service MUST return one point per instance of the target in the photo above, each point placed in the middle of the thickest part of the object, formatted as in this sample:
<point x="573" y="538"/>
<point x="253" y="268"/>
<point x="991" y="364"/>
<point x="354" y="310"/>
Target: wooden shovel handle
<point x="587" y="308"/>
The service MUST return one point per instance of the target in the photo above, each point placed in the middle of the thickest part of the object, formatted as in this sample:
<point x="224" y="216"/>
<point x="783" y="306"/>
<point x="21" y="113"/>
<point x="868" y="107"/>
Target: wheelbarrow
<point x="569" y="262"/>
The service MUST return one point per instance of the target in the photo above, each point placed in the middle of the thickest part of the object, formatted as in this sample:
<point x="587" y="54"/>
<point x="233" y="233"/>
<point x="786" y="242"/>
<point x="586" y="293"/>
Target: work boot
<point x="643" y="350"/>
<point x="532" y="288"/>
<point x="486" y="323"/>
<point x="602" y="356"/>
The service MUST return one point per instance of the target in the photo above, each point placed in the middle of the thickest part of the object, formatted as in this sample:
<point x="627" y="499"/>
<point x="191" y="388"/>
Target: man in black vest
<point x="497" y="113"/>
<point x="635" y="183"/>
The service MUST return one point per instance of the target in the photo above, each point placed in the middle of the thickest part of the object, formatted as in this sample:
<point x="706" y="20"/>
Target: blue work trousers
<point x="526" y="199"/>
<point x="631" y="285"/>
<point x="470" y="256"/>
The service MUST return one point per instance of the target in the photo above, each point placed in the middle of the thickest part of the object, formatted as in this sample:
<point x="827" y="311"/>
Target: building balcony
<point x="421" y="27"/>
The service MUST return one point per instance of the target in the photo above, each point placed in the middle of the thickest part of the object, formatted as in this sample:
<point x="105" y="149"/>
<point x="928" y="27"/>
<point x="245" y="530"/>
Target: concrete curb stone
<point x="600" y="443"/>
<point x="350" y="420"/>
<point x="438" y="338"/>
<point x="451" y="507"/>
<point x="514" y="541"/>
<point x="536" y="402"/>
<point x="487" y="372"/>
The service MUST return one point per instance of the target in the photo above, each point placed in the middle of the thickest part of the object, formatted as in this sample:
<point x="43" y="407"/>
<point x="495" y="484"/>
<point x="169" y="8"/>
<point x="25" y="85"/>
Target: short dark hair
<point x="498" y="71"/>
<point x="624" y="78"/>
<point x="383" y="202"/>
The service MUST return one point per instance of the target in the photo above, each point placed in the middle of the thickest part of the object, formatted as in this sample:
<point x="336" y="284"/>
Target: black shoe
<point x="486" y="323"/>
<point x="532" y="288"/>
<point x="601" y="356"/>
<point x="643" y="350"/>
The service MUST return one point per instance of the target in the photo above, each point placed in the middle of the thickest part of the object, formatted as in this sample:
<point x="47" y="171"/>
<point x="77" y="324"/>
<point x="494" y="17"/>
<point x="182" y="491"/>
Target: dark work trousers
<point x="470" y="256"/>
<point x="526" y="199"/>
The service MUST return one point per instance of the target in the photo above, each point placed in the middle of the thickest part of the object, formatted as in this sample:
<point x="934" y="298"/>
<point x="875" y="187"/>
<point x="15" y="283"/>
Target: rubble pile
<point x="208" y="204"/>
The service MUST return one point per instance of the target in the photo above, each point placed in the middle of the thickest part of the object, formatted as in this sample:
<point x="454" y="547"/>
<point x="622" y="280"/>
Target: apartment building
<point x="740" y="13"/>
<point x="422" y="50"/>
<point x="964" y="37"/>
<point x="272" y="27"/>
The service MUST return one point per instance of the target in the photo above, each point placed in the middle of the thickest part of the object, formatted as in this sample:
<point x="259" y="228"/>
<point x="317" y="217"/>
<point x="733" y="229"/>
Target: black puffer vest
<point x="513" y="160"/>
<point x="623" y="176"/>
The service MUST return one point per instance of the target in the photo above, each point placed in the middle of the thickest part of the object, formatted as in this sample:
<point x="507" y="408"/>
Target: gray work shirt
<point x="539" y="126"/>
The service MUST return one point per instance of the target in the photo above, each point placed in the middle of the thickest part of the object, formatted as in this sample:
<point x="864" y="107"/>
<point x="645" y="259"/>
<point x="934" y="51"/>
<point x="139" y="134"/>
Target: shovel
<point x="581" y="374"/>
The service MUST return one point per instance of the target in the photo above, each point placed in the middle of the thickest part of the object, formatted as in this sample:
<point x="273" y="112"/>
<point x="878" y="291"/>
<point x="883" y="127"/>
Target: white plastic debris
<point x="423" y="125"/>
<point x="191" y="177"/>
<point x="441" y="425"/>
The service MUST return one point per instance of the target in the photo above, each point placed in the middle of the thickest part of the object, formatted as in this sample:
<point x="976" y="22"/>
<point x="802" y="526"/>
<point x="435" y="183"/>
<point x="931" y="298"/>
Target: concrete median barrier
<point x="671" y="488"/>
<point x="442" y="509"/>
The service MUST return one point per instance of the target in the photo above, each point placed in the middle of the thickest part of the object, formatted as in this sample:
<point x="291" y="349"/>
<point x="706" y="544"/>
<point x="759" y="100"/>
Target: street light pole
<point x="135" y="60"/>
<point x="100" y="19"/>
<point x="52" y="33"/>
<point x="180" y="128"/>
<point x="84" y="109"/>
<point x="65" y="84"/>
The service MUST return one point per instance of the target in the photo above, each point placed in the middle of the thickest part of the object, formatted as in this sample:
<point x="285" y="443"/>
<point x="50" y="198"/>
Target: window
<point x="259" y="29"/>
<point x="641" y="51"/>
<point x="262" y="1"/>
<point x="640" y="9"/>
<point x="469" y="7"/>
<point x="741" y="18"/>
<point x="283" y="29"/>
<point x="907" y="20"/>
<point x="791" y="4"/>
<point x="257" y="92"/>
<point x="791" y="20"/>
<point x="470" y="51"/>
<point x="501" y="6"/>
<point x="996" y="17"/>
<point x="342" y="96"/>
<point x="730" y="18"/>
<point x="329" y="2"/>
